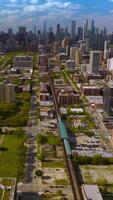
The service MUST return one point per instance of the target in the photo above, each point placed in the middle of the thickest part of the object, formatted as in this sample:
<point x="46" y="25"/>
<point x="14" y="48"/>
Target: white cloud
<point x="51" y="5"/>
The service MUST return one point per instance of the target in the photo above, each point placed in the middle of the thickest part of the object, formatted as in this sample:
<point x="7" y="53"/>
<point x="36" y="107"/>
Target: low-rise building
<point x="91" y="192"/>
<point x="23" y="61"/>
<point x="91" y="90"/>
<point x="67" y="98"/>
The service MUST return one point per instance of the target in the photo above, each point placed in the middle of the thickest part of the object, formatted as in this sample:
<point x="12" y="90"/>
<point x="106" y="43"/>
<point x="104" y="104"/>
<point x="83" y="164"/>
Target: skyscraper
<point x="22" y="29"/>
<point x="92" y="27"/>
<point x="58" y="28"/>
<point x="85" y="29"/>
<point x="108" y="99"/>
<point x="94" y="61"/>
<point x="44" y="28"/>
<point x="73" y="30"/>
<point x="80" y="33"/>
<point x="58" y="32"/>
<point x="106" y="48"/>
<point x="35" y="30"/>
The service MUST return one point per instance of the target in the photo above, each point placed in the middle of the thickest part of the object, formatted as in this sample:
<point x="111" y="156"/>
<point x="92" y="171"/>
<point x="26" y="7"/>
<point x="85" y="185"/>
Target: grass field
<point x="53" y="164"/>
<point x="97" y="174"/>
<point x="10" y="160"/>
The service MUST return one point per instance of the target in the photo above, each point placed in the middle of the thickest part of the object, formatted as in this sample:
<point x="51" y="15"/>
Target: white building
<point x="94" y="61"/>
<point x="91" y="192"/>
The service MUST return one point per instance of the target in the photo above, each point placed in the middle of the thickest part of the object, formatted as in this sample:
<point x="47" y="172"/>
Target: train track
<point x="65" y="141"/>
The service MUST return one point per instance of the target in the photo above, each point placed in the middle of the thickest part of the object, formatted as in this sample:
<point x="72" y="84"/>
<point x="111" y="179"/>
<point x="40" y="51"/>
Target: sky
<point x="33" y="12"/>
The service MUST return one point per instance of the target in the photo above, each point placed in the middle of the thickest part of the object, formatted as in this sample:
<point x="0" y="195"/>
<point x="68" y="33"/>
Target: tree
<point x="97" y="159"/>
<point x="1" y="132"/>
<point x="41" y="156"/>
<point x="39" y="172"/>
<point x="41" y="139"/>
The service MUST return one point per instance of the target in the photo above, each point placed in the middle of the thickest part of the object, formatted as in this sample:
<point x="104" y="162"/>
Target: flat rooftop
<point x="92" y="192"/>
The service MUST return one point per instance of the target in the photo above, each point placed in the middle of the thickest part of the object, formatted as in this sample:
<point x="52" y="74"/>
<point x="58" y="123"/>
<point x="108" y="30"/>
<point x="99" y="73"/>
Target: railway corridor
<point x="68" y="154"/>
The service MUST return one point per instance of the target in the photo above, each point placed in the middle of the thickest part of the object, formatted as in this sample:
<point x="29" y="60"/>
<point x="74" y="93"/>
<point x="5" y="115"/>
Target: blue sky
<point x="33" y="12"/>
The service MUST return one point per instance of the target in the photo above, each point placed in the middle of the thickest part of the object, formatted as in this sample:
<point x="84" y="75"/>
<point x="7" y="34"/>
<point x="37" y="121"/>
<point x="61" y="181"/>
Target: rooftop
<point x="92" y="192"/>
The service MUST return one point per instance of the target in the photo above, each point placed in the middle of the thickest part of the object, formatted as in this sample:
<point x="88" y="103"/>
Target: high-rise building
<point x="92" y="27"/>
<point x="22" y="29"/>
<point x="73" y="53"/>
<point x="85" y="29"/>
<point x="50" y="29"/>
<point x="10" y="31"/>
<point x="58" y="28"/>
<point x="78" y="58"/>
<point x="7" y="93"/>
<point x="35" y="30"/>
<point x="94" y="61"/>
<point x="44" y="28"/>
<point x="80" y="33"/>
<point x="73" y="30"/>
<point x="66" y="31"/>
<point x="106" y="47"/>
<point x="22" y="36"/>
<point x="108" y="99"/>
<point x="58" y="32"/>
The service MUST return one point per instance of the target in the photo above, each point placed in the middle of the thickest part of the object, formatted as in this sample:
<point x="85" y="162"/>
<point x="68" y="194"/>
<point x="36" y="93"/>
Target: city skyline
<point x="33" y="12"/>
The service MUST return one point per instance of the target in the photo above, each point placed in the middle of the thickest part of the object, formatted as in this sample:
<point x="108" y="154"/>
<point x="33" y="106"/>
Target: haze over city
<point x="33" y="12"/>
<point x="56" y="99"/>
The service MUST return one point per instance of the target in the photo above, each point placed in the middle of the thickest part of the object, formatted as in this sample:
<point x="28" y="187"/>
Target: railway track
<point x="65" y="141"/>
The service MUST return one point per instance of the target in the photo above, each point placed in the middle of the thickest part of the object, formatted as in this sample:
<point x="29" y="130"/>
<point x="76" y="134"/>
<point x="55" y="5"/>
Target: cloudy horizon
<point x="14" y="13"/>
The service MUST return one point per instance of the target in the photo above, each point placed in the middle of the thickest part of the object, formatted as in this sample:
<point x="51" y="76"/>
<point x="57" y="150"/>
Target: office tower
<point x="50" y="29"/>
<point x="105" y="33"/>
<point x="106" y="47"/>
<point x="66" y="31"/>
<point x="51" y="37"/>
<point x="108" y="99"/>
<point x="80" y="33"/>
<point x="10" y="31"/>
<point x="35" y="30"/>
<point x="73" y="30"/>
<point x="85" y="29"/>
<point x="58" y="32"/>
<point x="21" y="36"/>
<point x="94" y="61"/>
<point x="44" y="28"/>
<point x="92" y="27"/>
<point x="22" y="29"/>
<point x="58" y="28"/>
<point x="7" y="93"/>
